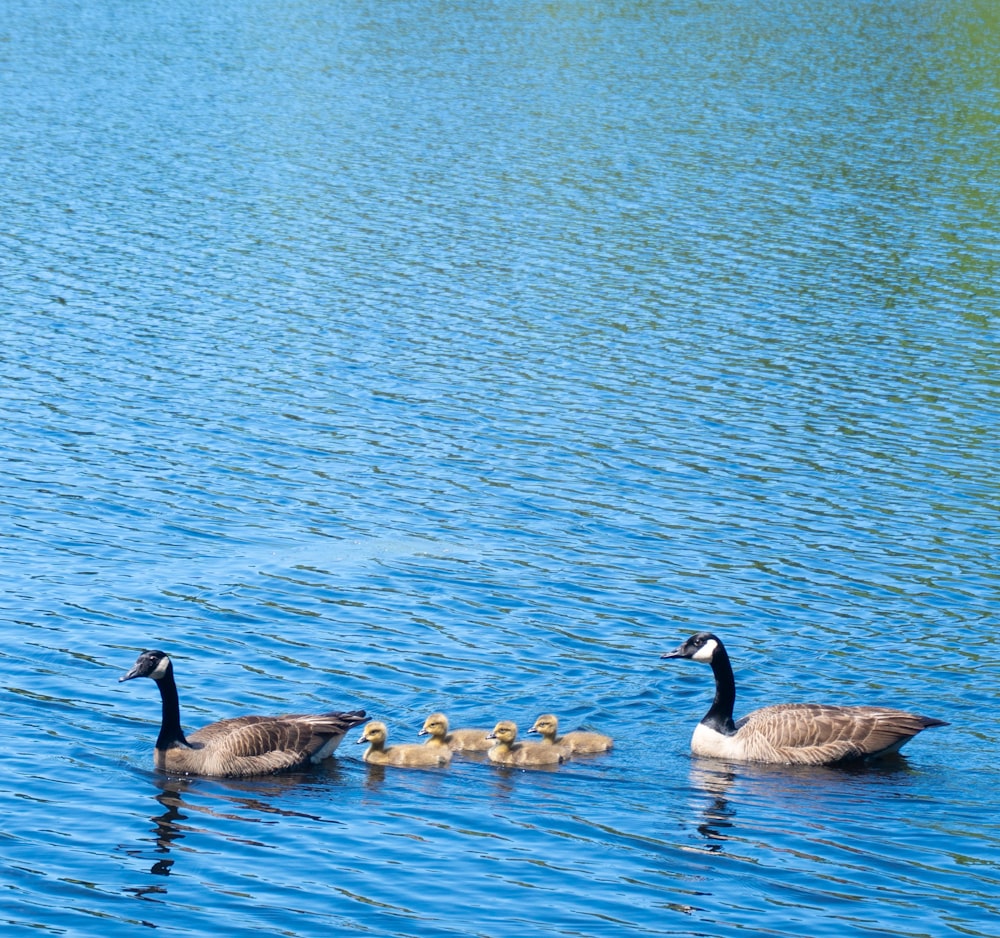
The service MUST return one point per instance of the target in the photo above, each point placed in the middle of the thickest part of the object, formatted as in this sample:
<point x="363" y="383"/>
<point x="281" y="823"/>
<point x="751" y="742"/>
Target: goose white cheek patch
<point x="706" y="652"/>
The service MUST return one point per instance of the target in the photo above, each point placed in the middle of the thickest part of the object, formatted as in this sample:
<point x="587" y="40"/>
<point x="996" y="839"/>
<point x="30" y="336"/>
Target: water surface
<point x="468" y="356"/>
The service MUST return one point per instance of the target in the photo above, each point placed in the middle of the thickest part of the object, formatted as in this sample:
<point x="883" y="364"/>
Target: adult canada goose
<point x="241" y="746"/>
<point x="507" y="751"/>
<point x="436" y="727"/>
<point x="577" y="741"/>
<point x="801" y="734"/>
<point x="408" y="754"/>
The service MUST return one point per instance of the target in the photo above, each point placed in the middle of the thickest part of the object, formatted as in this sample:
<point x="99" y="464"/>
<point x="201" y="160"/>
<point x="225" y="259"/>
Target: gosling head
<point x="374" y="733"/>
<point x="435" y="725"/>
<point x="546" y="725"/>
<point x="151" y="664"/>
<point x="700" y="647"/>
<point x="504" y="732"/>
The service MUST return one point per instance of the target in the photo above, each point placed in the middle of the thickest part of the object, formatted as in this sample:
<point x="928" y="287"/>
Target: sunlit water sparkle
<point x="468" y="356"/>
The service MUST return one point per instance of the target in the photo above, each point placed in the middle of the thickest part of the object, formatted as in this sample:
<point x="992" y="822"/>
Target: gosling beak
<point x="363" y="739"/>
<point x="491" y="735"/>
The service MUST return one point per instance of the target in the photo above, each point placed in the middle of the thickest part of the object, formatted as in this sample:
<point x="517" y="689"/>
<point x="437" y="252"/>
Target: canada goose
<point x="241" y="746"/>
<point x="800" y="734"/>
<point x="408" y="754"/>
<point x="507" y="751"/>
<point x="577" y="741"/>
<point x="436" y="727"/>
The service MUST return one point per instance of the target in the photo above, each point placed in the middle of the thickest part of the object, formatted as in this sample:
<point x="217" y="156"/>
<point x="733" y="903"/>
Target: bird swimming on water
<point x="799" y="734"/>
<point x="508" y="751"/>
<point x="575" y="741"/>
<point x="436" y="727"/>
<point x="405" y="754"/>
<point x="240" y="746"/>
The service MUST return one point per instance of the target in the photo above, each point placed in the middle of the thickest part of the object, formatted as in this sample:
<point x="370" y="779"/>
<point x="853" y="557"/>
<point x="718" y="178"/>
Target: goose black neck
<point x="171" y="733"/>
<point x="720" y="715"/>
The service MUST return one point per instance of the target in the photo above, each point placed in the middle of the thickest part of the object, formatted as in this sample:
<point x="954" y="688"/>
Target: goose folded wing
<point x="817" y="734"/>
<point x="254" y="736"/>
<point x="888" y="729"/>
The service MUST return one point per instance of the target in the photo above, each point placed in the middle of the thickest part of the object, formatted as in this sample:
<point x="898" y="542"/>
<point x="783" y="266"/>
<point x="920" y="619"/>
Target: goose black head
<point x="700" y="647"/>
<point x="152" y="664"/>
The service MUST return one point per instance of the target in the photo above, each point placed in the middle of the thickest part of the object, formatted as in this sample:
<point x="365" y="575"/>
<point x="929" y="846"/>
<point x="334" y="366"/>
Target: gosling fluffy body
<point x="576" y="741"/>
<point x="508" y="751"/>
<point x="414" y="755"/>
<point x="240" y="746"/>
<point x="799" y="734"/>
<point x="436" y="727"/>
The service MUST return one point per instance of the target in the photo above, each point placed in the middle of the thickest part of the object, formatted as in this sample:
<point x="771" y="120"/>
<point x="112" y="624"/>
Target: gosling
<point x="507" y="751"/>
<point x="577" y="741"/>
<point x="404" y="754"/>
<point x="436" y="727"/>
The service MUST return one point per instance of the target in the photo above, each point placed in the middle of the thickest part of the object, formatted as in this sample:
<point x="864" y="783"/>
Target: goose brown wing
<point x="222" y="729"/>
<point x="252" y="736"/>
<point x="816" y="734"/>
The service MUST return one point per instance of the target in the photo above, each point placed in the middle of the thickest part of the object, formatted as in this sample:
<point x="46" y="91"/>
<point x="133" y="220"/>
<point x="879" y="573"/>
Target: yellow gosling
<point x="577" y="741"/>
<point x="507" y="751"/>
<point x="403" y="754"/>
<point x="436" y="727"/>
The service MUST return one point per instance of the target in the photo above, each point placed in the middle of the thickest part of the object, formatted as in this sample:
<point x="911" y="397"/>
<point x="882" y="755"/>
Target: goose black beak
<point x="131" y="674"/>
<point x="678" y="652"/>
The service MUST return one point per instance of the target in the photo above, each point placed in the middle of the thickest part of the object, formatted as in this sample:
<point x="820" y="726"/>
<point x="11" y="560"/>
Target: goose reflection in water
<point x="718" y="815"/>
<point x="254" y="795"/>
<point x="789" y="789"/>
<point x="167" y="828"/>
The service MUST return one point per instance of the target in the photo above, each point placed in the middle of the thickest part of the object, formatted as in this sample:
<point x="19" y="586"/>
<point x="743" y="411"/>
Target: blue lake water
<point x="468" y="356"/>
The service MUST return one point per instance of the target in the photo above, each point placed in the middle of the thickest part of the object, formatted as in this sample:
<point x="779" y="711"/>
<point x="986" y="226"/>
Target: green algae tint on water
<point x="467" y="357"/>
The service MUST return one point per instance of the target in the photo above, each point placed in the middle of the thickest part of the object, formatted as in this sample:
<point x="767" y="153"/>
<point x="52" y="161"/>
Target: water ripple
<point x="419" y="358"/>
